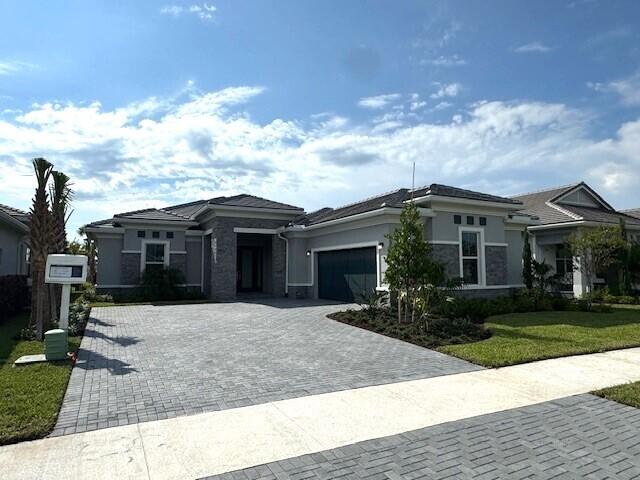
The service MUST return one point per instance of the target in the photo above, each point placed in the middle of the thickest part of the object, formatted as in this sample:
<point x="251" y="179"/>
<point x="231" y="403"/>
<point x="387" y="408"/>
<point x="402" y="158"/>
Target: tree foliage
<point x="594" y="250"/>
<point x="410" y="267"/>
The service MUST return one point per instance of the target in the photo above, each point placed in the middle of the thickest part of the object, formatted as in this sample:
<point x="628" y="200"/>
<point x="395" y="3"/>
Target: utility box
<point x="56" y="344"/>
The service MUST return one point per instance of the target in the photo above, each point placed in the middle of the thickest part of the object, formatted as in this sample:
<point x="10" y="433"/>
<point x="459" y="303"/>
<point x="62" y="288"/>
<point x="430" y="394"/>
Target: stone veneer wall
<point x="449" y="256"/>
<point x="130" y="269"/>
<point x="224" y="252"/>
<point x="496" y="265"/>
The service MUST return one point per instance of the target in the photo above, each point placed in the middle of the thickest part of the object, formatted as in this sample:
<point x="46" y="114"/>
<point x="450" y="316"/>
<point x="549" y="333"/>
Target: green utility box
<point x="56" y="344"/>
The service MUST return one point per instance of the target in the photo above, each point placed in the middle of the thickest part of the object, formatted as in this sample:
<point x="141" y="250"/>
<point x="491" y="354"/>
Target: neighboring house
<point x="229" y="245"/>
<point x="562" y="211"/>
<point x="14" y="245"/>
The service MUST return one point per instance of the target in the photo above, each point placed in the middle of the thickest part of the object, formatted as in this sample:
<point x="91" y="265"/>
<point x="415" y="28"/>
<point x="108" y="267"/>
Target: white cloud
<point x="10" y="67"/>
<point x="627" y="88"/>
<point x="445" y="61"/>
<point x="204" y="11"/>
<point x="533" y="47"/>
<point x="379" y="101"/>
<point x="449" y="90"/>
<point x="168" y="150"/>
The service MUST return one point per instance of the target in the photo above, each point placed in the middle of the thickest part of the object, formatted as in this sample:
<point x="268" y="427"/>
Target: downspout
<point x="286" y="263"/>
<point x="202" y="264"/>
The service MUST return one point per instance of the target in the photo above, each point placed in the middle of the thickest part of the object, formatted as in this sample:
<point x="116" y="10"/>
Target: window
<point x="470" y="258"/>
<point x="457" y="219"/>
<point x="469" y="220"/>
<point x="169" y="235"/>
<point x="155" y="256"/>
<point x="155" y="234"/>
<point x="483" y="221"/>
<point x="564" y="268"/>
<point x="141" y="233"/>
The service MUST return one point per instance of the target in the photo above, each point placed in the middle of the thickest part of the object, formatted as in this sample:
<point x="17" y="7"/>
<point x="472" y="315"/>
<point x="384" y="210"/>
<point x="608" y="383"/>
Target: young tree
<point x="527" y="262"/>
<point x="40" y="243"/>
<point x="409" y="264"/>
<point x="624" y="259"/>
<point x="595" y="249"/>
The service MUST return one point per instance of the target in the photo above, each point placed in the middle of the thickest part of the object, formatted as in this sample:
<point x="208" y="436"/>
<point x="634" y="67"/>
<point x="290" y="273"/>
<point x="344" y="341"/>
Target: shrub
<point x="626" y="300"/>
<point x="88" y="294"/>
<point x="456" y="330"/>
<point x="560" y="303"/>
<point x="78" y="316"/>
<point x="162" y="284"/>
<point x="14" y="295"/>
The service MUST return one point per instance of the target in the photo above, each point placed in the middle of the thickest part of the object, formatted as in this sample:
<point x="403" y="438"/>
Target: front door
<point x="249" y="268"/>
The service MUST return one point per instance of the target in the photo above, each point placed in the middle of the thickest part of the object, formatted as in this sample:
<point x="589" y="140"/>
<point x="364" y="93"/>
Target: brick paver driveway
<point x="143" y="363"/>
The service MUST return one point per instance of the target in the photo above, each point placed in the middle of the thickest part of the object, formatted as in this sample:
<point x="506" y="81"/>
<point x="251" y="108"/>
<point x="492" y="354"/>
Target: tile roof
<point x="633" y="212"/>
<point x="152" y="214"/>
<point x="395" y="199"/>
<point x="15" y="213"/>
<point x="251" y="201"/>
<point x="541" y="204"/>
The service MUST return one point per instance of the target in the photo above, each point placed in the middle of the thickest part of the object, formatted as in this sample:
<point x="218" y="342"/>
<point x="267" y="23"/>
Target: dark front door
<point x="346" y="274"/>
<point x="249" y="268"/>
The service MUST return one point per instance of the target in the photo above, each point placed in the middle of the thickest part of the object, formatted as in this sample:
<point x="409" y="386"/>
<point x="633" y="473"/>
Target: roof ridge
<point x="373" y="197"/>
<point x="135" y="211"/>
<point x="188" y="204"/>
<point x="179" y="215"/>
<point x="17" y="210"/>
<point x="548" y="189"/>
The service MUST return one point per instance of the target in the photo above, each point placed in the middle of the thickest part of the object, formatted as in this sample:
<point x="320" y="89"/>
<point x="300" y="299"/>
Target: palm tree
<point x="60" y="193"/>
<point x="90" y="251"/>
<point x="40" y="242"/>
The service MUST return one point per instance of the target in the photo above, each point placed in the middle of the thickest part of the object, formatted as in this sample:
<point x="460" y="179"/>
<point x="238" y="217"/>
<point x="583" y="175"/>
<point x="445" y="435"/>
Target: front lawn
<point x="30" y="396"/>
<point x="525" y="337"/>
<point x="629" y="394"/>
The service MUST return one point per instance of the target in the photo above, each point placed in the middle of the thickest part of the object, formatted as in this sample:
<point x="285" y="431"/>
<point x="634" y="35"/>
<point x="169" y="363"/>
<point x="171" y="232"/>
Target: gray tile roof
<point x="540" y="204"/>
<point x="152" y="214"/>
<point x="633" y="212"/>
<point x="396" y="199"/>
<point x="186" y="211"/>
<point x="15" y="213"/>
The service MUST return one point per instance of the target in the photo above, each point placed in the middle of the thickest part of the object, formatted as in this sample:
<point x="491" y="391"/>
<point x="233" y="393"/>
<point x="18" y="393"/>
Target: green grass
<point x="30" y="396"/>
<point x="525" y="337"/>
<point x="629" y="394"/>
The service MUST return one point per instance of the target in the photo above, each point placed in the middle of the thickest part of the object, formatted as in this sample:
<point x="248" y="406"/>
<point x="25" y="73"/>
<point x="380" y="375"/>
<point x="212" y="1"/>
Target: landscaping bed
<point x="31" y="395"/>
<point x="629" y="394"/>
<point x="525" y="337"/>
<point x="437" y="332"/>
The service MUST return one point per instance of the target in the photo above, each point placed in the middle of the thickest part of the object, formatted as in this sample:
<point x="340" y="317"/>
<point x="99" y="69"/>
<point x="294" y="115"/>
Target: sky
<point x="317" y="103"/>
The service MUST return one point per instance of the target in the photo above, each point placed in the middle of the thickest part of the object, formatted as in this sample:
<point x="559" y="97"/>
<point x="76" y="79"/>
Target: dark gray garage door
<point x="346" y="274"/>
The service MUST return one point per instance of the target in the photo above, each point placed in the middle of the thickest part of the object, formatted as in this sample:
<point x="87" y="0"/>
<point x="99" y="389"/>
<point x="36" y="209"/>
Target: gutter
<point x="424" y="212"/>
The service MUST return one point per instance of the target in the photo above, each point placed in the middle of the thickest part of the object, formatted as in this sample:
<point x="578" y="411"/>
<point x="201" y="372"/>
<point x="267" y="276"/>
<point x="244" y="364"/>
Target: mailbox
<point x="65" y="270"/>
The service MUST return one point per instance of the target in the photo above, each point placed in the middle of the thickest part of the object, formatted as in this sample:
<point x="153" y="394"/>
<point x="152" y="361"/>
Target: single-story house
<point x="14" y="241"/>
<point x="562" y="211"/>
<point x="226" y="246"/>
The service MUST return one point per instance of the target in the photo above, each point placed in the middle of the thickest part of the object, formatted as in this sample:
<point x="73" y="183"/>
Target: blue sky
<point x="317" y="103"/>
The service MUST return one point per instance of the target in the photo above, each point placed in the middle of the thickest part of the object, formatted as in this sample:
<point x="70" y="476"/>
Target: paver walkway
<point x="145" y="363"/>
<point x="279" y="433"/>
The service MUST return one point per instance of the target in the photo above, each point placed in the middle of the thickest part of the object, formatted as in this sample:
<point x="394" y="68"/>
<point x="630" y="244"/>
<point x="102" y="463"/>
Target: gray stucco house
<point x="14" y="244"/>
<point x="226" y="246"/>
<point x="562" y="211"/>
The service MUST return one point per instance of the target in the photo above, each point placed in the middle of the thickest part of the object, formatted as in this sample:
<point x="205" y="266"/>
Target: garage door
<point x="346" y="274"/>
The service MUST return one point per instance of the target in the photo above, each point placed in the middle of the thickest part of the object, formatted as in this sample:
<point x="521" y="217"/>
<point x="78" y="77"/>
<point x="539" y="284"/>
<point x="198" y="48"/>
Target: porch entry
<point x="249" y="268"/>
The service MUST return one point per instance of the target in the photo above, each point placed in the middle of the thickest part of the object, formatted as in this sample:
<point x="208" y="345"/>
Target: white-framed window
<point x="471" y="256"/>
<point x="155" y="255"/>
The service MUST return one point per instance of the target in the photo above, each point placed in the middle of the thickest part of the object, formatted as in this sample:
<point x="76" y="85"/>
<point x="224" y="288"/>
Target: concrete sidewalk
<point x="217" y="442"/>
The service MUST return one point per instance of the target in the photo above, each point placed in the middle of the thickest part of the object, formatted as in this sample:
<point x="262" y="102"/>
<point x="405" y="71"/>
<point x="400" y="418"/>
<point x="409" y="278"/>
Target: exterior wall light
<point x="308" y="253"/>
<point x="380" y="245"/>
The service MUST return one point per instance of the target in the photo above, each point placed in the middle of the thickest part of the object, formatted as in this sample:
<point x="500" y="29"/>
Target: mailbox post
<point x="65" y="270"/>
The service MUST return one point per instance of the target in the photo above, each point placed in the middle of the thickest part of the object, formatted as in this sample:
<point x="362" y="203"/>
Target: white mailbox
<point x="65" y="270"/>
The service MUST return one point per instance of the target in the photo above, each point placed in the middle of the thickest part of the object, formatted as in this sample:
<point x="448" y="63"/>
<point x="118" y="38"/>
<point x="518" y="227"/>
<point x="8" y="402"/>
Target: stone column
<point x="580" y="286"/>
